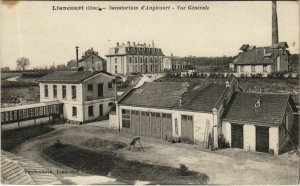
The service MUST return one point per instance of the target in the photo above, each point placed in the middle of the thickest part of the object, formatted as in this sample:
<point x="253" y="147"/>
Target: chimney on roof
<point x="145" y="45"/>
<point x="227" y="84"/>
<point x="180" y="100"/>
<point x="153" y="44"/>
<point x="77" y="55"/>
<point x="274" y="23"/>
<point x="257" y="104"/>
<point x="128" y="43"/>
<point x="133" y="43"/>
<point x="118" y="44"/>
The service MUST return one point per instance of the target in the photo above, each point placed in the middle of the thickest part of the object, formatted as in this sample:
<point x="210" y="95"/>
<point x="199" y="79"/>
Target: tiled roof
<point x="194" y="96"/>
<point x="271" y="111"/>
<point x="69" y="76"/>
<point x="16" y="170"/>
<point x="259" y="55"/>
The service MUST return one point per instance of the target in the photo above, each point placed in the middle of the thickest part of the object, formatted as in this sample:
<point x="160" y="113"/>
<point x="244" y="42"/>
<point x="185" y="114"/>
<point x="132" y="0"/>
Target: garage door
<point x="155" y="125"/>
<point x="135" y="122"/>
<point x="166" y="126"/>
<point x="145" y="124"/>
<point x="187" y="127"/>
<point x="237" y="133"/>
<point x="262" y="139"/>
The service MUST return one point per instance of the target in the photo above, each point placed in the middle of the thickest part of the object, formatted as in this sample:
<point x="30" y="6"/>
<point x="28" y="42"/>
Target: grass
<point x="11" y="139"/>
<point x="109" y="163"/>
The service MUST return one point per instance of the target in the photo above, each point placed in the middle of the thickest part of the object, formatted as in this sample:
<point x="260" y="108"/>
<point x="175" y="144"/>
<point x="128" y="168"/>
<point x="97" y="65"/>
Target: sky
<point x="33" y="30"/>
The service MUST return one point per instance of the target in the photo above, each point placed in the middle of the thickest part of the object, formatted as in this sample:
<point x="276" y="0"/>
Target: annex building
<point x="86" y="96"/>
<point x="134" y="58"/>
<point x="204" y="112"/>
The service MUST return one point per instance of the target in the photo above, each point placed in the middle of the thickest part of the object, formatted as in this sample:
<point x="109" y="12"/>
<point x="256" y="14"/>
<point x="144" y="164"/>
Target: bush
<point x="58" y="144"/>
<point x="187" y="140"/>
<point x="222" y="142"/>
<point x="183" y="170"/>
<point x="174" y="140"/>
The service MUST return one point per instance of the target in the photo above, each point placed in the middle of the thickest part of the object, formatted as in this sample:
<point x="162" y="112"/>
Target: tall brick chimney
<point x="77" y="55"/>
<point x="274" y="24"/>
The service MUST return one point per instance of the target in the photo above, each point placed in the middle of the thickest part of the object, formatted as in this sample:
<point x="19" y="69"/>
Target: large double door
<point x="262" y="139"/>
<point x="150" y="124"/>
<point x="237" y="136"/>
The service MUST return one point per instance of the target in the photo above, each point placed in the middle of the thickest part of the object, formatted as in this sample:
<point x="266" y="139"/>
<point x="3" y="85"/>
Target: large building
<point x="134" y="58"/>
<point x="259" y="122"/>
<point x="263" y="60"/>
<point x="176" y="64"/>
<point x="85" y="95"/>
<point x="204" y="112"/>
<point x="175" y="109"/>
<point x="90" y="60"/>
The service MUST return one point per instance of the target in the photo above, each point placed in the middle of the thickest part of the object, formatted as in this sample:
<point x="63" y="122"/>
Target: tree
<point x="22" y="63"/>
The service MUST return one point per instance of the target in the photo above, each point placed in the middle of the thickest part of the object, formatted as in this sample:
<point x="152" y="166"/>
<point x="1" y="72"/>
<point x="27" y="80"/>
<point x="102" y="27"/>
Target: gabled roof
<point x="271" y="111"/>
<point x="260" y="55"/>
<point x="69" y="76"/>
<point x="194" y="96"/>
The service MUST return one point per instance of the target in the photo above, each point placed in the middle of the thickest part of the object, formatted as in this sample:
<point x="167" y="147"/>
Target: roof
<point x="271" y="111"/>
<point x="16" y="170"/>
<point x="69" y="76"/>
<point x="19" y="107"/>
<point x="259" y="55"/>
<point x="194" y="96"/>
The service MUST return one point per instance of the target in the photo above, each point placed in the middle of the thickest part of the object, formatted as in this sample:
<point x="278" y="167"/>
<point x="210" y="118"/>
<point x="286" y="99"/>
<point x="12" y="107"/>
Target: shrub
<point x="271" y="151"/>
<point x="183" y="170"/>
<point x="58" y="144"/>
<point x="222" y="142"/>
<point x="187" y="140"/>
<point x="174" y="140"/>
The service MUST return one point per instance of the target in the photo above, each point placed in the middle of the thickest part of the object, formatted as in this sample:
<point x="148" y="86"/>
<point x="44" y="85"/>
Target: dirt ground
<point x="229" y="166"/>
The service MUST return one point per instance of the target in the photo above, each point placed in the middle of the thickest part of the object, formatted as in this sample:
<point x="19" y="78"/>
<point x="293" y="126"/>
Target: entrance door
<point x="100" y="110"/>
<point x="187" y="129"/>
<point x="262" y="139"/>
<point x="100" y="90"/>
<point x="237" y="133"/>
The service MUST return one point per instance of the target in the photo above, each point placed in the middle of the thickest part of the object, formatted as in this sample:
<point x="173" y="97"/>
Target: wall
<point x="93" y="62"/>
<point x="26" y="123"/>
<point x="96" y="111"/>
<point x="68" y="98"/>
<point x="258" y="69"/>
<point x="113" y="122"/>
<point x="250" y="137"/>
<point x="93" y="94"/>
<point x="274" y="139"/>
<point x="284" y="60"/>
<point x="199" y="120"/>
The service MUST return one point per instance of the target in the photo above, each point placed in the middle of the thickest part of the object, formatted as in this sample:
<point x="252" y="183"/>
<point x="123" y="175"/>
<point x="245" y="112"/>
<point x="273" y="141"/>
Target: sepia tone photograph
<point x="149" y="92"/>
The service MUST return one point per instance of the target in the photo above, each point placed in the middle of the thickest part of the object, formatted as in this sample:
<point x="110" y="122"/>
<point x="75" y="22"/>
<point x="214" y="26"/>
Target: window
<point x="252" y="68"/>
<point x="130" y="60"/>
<point x="90" y="87"/>
<point x="116" y="69"/>
<point x="46" y="90"/>
<point x="110" y="104"/>
<point x="176" y="126"/>
<point x="64" y="91"/>
<point x="110" y="85"/>
<point x="136" y="60"/>
<point x="126" y="118"/>
<point x="73" y="92"/>
<point x="265" y="68"/>
<point x="116" y="60"/>
<point x="74" y="111"/>
<point x="166" y="116"/>
<point x="187" y="118"/>
<point x="91" y="110"/>
<point x="242" y="68"/>
<point x="54" y="91"/>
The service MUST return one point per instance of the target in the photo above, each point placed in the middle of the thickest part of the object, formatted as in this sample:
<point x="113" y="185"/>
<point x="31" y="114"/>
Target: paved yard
<point x="229" y="166"/>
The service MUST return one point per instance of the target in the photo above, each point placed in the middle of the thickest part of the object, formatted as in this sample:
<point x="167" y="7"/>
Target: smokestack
<point x="274" y="23"/>
<point x="77" y="55"/>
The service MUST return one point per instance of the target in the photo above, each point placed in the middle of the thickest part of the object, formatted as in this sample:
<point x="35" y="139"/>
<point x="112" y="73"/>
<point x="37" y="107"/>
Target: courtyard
<point x="69" y="147"/>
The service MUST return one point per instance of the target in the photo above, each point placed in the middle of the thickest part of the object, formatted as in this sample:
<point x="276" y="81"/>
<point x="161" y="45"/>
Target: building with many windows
<point x="85" y="95"/>
<point x="134" y="58"/>
<point x="261" y="60"/>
